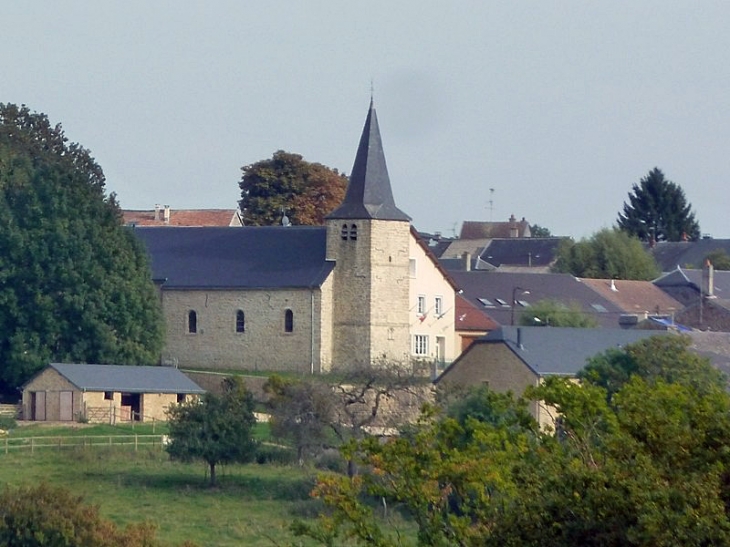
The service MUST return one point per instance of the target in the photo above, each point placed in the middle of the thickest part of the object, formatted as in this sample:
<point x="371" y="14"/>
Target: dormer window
<point x="353" y="232"/>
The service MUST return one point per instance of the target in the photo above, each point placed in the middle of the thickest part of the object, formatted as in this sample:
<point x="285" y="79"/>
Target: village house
<point x="363" y="289"/>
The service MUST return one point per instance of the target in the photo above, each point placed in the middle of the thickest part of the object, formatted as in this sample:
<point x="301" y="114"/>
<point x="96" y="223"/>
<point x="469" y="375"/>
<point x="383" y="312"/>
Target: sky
<point x="548" y="110"/>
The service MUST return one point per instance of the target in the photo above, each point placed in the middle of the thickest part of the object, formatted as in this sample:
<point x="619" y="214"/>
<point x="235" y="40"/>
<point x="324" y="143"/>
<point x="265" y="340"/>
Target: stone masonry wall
<point x="264" y="345"/>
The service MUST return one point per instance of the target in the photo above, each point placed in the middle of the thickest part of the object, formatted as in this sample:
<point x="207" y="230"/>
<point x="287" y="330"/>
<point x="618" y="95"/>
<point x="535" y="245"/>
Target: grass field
<point x="253" y="504"/>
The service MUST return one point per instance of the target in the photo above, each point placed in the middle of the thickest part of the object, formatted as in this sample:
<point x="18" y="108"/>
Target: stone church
<point x="363" y="289"/>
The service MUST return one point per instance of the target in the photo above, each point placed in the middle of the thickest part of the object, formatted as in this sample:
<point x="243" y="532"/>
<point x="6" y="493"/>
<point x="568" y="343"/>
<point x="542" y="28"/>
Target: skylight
<point x="486" y="302"/>
<point x="599" y="308"/>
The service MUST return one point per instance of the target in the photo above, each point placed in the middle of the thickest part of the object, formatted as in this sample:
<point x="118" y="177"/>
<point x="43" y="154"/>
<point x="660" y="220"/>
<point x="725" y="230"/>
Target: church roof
<point x="369" y="194"/>
<point x="257" y="257"/>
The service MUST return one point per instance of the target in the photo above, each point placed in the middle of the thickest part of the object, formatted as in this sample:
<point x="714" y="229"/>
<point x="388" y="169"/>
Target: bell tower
<point x="368" y="238"/>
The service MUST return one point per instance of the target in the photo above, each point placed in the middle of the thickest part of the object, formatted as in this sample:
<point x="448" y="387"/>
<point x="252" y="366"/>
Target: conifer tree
<point x="658" y="210"/>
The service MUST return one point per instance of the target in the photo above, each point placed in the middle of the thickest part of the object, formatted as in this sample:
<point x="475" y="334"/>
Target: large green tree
<point x="287" y="184"/>
<point x="658" y="210"/>
<point x="647" y="466"/>
<point x="607" y="254"/>
<point x="75" y="285"/>
<point x="217" y="429"/>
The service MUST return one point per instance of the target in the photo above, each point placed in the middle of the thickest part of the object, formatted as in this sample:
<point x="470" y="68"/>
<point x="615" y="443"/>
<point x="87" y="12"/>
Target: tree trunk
<point x="212" y="474"/>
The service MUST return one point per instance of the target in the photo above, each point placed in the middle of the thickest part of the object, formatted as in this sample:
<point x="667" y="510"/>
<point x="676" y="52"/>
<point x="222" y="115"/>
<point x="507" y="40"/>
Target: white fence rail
<point x="8" y="444"/>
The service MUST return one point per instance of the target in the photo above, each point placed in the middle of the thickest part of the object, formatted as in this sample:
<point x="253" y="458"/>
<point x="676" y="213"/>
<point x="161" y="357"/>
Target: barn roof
<point x="128" y="379"/>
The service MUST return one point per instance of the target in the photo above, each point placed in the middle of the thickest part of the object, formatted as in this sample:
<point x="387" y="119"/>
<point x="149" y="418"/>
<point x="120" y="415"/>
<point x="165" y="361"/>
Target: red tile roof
<point x="634" y="296"/>
<point x="470" y="317"/>
<point x="184" y="217"/>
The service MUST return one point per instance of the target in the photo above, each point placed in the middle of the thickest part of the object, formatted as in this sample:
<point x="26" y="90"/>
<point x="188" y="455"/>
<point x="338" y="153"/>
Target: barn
<point x="105" y="393"/>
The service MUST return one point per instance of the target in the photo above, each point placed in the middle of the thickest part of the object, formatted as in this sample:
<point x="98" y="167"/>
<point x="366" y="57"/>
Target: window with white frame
<point x="438" y="306"/>
<point x="420" y="344"/>
<point x="421" y="308"/>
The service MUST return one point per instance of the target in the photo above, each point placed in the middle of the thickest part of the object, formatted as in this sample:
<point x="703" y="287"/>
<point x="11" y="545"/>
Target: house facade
<point x="360" y="290"/>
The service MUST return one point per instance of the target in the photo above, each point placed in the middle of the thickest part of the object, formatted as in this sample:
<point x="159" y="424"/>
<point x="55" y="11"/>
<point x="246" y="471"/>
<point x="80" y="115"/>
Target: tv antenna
<point x="491" y="204"/>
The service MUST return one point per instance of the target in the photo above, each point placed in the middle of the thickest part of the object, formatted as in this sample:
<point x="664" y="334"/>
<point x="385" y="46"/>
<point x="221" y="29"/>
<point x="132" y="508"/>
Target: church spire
<point x="369" y="195"/>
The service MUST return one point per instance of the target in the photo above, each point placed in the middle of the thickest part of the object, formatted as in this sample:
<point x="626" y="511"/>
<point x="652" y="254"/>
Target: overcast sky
<point x="559" y="107"/>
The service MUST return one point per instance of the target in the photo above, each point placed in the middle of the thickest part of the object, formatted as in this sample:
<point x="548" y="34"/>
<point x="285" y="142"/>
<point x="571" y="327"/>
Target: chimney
<point x="708" y="279"/>
<point x="466" y="261"/>
<point x="613" y="286"/>
<point x="513" y="230"/>
<point x="167" y="214"/>
<point x="519" y="338"/>
<point x="157" y="211"/>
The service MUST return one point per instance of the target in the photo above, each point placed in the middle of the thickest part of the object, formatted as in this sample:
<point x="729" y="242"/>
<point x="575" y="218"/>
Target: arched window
<point x="240" y="321"/>
<point x="192" y="322"/>
<point x="344" y="232"/>
<point x="353" y="232"/>
<point x="288" y="321"/>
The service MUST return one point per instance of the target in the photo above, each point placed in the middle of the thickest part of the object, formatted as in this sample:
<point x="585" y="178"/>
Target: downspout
<point x="311" y="328"/>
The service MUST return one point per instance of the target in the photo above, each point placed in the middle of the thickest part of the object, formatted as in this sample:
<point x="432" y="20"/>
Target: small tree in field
<point x="216" y="429"/>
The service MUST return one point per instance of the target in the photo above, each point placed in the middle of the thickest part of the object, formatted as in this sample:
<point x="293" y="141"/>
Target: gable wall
<point x="263" y="346"/>
<point x="50" y="382"/>
<point x="430" y="283"/>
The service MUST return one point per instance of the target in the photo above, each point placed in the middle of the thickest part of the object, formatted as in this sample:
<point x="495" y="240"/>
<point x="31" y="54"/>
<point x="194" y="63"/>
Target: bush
<point x="7" y="423"/>
<point x="275" y="454"/>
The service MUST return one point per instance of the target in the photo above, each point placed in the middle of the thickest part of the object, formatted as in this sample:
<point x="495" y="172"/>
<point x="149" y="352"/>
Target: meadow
<point x="252" y="505"/>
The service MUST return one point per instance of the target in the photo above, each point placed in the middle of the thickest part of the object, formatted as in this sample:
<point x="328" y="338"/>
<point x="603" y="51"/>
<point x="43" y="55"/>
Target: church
<point x="361" y="290"/>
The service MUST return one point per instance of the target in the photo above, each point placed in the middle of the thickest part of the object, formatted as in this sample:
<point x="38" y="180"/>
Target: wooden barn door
<point x="67" y="406"/>
<point x="38" y="406"/>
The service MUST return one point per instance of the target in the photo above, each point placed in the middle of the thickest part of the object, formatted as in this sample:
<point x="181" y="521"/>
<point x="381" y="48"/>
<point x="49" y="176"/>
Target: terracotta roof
<point x="634" y="296"/>
<point x="475" y="229"/>
<point x="470" y="318"/>
<point x="184" y="217"/>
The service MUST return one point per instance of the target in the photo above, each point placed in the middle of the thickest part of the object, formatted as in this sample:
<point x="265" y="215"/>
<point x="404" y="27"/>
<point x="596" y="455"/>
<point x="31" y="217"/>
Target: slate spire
<point x="369" y="195"/>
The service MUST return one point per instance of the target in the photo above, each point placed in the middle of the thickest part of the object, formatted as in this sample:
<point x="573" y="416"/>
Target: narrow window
<point x="353" y="232"/>
<point x="180" y="398"/>
<point x="420" y="344"/>
<point x="240" y="321"/>
<point x="412" y="267"/>
<point x="108" y="395"/>
<point x="288" y="321"/>
<point x="344" y="232"/>
<point x="438" y="306"/>
<point x="192" y="322"/>
<point x="421" y="303"/>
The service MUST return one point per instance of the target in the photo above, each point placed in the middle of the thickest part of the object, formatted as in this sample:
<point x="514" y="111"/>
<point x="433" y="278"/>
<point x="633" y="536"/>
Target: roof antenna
<point x="372" y="90"/>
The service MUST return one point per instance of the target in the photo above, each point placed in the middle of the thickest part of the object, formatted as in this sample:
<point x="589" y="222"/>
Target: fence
<point x="8" y="444"/>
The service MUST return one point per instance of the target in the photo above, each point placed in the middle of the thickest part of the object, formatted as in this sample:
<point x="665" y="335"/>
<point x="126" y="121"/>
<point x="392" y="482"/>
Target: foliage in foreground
<point x="75" y="285"/>
<point x="216" y="429"/>
<point x="607" y="254"/>
<point x="45" y="516"/>
<point x="648" y="465"/>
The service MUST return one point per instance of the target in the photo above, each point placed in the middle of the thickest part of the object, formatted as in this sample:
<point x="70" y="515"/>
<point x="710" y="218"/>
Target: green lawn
<point x="253" y="504"/>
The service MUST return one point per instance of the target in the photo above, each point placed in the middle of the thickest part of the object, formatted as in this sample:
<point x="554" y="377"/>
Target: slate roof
<point x="565" y="288"/>
<point x="686" y="254"/>
<point x="128" y="379"/>
<point x="635" y="296"/>
<point x="369" y="194"/>
<point x="263" y="257"/>
<point x="561" y="351"/>
<point x="184" y="217"/>
<point x="523" y="251"/>
<point x="684" y="284"/>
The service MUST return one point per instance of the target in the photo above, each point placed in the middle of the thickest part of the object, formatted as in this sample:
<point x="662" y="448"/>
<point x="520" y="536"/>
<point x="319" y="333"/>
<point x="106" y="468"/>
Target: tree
<point x="648" y="466"/>
<point x="658" y="210"/>
<point x="287" y="184"/>
<point x="666" y="357"/>
<point x="540" y="231"/>
<point x="551" y="313"/>
<point x="75" y="285"/>
<point x="302" y="412"/>
<point x="216" y="429"/>
<point x="719" y="259"/>
<point x="607" y="254"/>
<point x="45" y="516"/>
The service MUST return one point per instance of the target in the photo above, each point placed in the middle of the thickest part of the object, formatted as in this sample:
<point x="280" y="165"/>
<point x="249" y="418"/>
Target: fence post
<point x="6" y="445"/>
<point x="31" y="445"/>
<point x="135" y="442"/>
